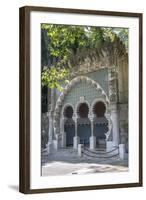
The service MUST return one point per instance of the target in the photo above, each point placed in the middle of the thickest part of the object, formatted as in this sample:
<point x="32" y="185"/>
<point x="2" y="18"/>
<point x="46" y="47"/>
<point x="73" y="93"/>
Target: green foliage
<point x="51" y="77"/>
<point x="95" y="37"/>
<point x="61" y="41"/>
<point x="110" y="34"/>
<point x="123" y="35"/>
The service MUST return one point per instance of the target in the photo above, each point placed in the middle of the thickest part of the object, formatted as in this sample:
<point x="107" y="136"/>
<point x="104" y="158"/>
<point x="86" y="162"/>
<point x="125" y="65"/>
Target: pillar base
<point x="111" y="148"/>
<point x="109" y="145"/>
<point x="115" y="123"/>
<point x="80" y="147"/>
<point x="76" y="141"/>
<point x="92" y="142"/>
<point x="122" y="151"/>
<point x="56" y="144"/>
<point x="49" y="147"/>
<point x="115" y="144"/>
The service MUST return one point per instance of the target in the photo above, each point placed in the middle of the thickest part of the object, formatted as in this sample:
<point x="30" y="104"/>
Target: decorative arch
<point x="107" y="115"/>
<point x="65" y="106"/>
<point x="99" y="100"/>
<point x="66" y="90"/>
<point x="78" y="105"/>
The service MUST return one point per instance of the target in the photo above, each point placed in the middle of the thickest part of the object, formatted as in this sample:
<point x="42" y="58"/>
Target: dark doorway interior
<point x="84" y="125"/>
<point x="100" y="123"/>
<point x="99" y="109"/>
<point x="69" y="126"/>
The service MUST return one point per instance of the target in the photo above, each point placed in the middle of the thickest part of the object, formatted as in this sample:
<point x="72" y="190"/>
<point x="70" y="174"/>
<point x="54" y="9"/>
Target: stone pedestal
<point x="80" y="147"/>
<point x="122" y="151"/>
<point x="55" y="144"/>
<point x="109" y="146"/>
<point x="92" y="142"/>
<point x="49" y="148"/>
<point x="76" y="142"/>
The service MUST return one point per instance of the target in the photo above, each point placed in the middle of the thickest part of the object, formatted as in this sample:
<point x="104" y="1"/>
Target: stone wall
<point x="44" y="129"/>
<point x="84" y="89"/>
<point x="90" y="63"/>
<point x="123" y="118"/>
<point x="93" y="62"/>
<point x="123" y="99"/>
<point x="122" y="68"/>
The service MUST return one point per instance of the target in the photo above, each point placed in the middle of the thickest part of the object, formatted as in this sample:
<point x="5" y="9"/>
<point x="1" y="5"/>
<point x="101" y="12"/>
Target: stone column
<point x="56" y="143"/>
<point x="50" y="126"/>
<point x="115" y="122"/>
<point x="50" y="116"/>
<point x="109" y="136"/>
<point x="92" y="126"/>
<point x="63" y="139"/>
<point x="113" y="97"/>
<point x="50" y="132"/>
<point x="62" y="120"/>
<point x="63" y="133"/>
<point x="92" y="138"/>
<point x="76" y="139"/>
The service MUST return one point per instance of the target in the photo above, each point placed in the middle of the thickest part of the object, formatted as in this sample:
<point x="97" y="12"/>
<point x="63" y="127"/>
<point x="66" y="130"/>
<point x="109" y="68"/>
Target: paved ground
<point x="67" y="162"/>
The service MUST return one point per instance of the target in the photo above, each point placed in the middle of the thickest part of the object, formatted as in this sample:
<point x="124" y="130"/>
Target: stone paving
<point x="67" y="162"/>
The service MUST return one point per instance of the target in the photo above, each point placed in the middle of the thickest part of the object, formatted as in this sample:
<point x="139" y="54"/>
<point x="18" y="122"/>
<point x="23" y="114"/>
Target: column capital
<point x="91" y="117"/>
<point x="75" y="118"/>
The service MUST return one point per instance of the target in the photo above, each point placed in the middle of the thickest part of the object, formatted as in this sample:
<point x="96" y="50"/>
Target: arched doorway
<point x="69" y="126"/>
<point x="100" y="123"/>
<point x="84" y="125"/>
<point x="65" y="92"/>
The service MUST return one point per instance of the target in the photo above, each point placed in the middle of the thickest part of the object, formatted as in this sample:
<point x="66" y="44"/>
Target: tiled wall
<point x="86" y="90"/>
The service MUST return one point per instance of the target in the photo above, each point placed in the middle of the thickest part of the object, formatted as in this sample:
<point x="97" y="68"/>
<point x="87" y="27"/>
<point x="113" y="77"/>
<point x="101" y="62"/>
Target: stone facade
<point x="99" y="75"/>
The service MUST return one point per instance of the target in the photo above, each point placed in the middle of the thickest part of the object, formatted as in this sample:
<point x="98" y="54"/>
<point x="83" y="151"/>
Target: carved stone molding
<point x="68" y="87"/>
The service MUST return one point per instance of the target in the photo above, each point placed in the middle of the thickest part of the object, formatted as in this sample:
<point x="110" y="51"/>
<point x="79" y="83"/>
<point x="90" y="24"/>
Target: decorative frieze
<point x="112" y="83"/>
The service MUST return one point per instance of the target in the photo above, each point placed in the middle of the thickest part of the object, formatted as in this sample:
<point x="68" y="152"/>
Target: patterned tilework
<point x="83" y="89"/>
<point x="86" y="90"/>
<point x="101" y="77"/>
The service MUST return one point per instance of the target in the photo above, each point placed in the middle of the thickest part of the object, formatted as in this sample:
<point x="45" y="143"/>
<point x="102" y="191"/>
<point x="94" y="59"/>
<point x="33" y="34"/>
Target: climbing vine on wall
<point x="59" y="42"/>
